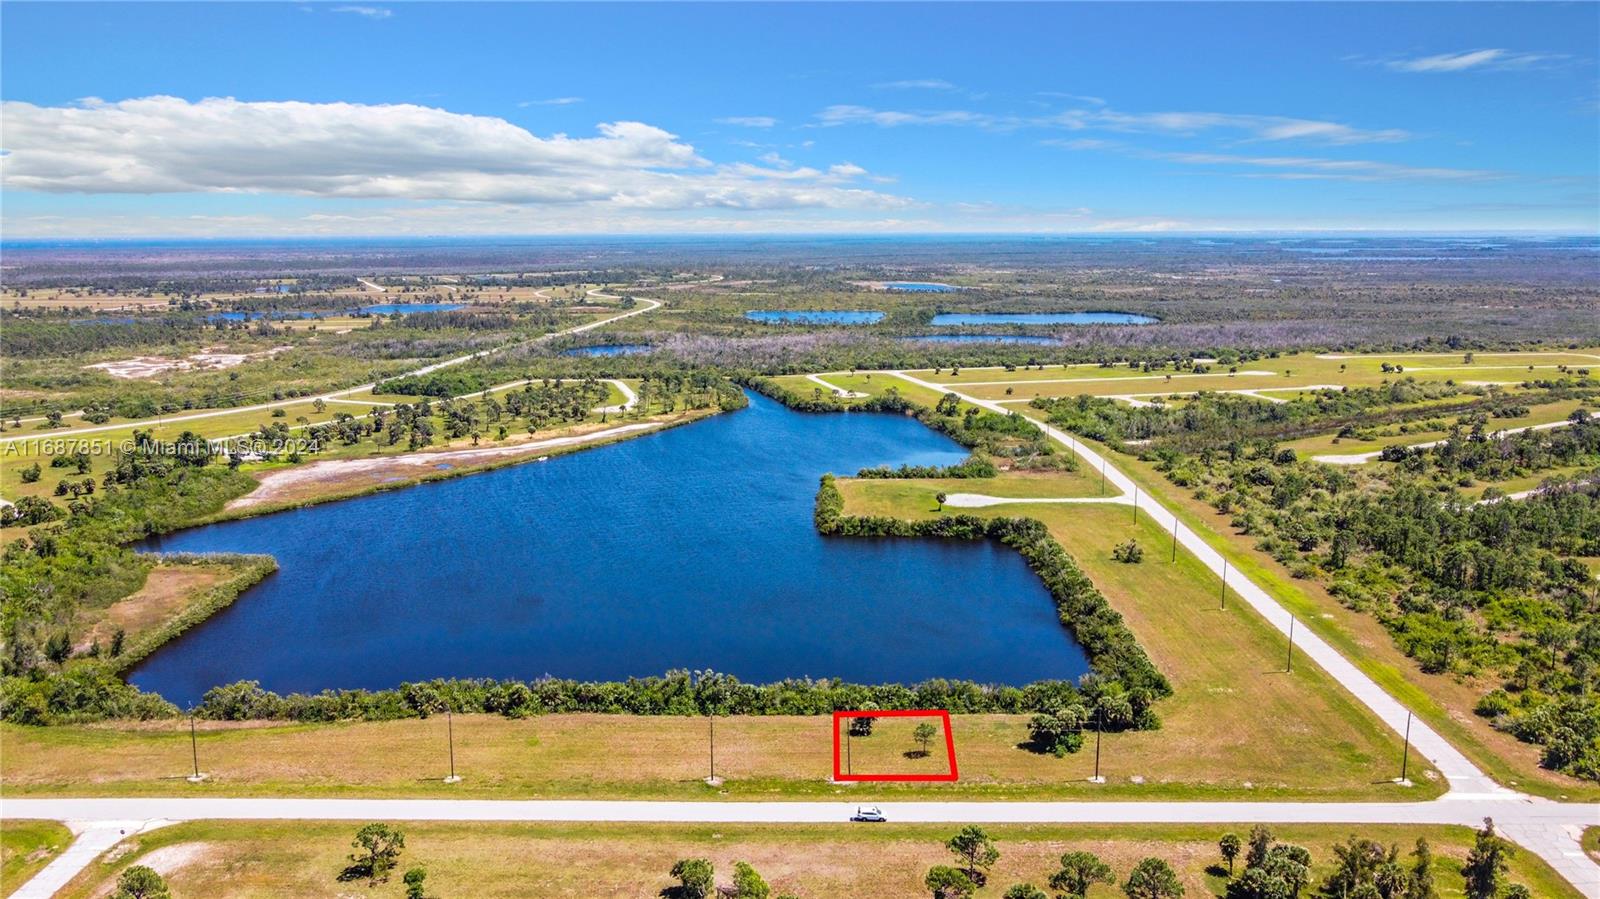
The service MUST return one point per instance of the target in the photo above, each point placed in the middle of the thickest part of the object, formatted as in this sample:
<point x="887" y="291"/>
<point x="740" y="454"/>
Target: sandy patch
<point x="165" y="592"/>
<point x="211" y="359"/>
<point x="340" y="475"/>
<point x="164" y="861"/>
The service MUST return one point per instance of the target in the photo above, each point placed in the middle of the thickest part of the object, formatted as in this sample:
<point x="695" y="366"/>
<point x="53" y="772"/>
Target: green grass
<point x="26" y="847"/>
<point x="1237" y="723"/>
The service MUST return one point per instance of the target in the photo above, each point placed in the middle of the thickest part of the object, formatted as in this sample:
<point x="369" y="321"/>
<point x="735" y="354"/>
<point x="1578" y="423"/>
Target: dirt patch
<point x="165" y="592"/>
<point x="336" y="476"/>
<point x="165" y="861"/>
<point x="209" y="359"/>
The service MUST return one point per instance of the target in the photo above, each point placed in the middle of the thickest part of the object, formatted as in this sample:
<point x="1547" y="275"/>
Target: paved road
<point x="1363" y="458"/>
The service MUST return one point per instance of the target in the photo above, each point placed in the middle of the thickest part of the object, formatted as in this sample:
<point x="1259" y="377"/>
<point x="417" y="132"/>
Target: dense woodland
<point x="1497" y="592"/>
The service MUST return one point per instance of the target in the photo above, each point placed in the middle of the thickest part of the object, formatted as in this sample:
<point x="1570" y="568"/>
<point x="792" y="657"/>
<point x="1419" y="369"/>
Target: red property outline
<point x="949" y="746"/>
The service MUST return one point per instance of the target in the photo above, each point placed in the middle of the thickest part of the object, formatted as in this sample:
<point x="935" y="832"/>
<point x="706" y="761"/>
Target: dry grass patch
<point x="490" y="860"/>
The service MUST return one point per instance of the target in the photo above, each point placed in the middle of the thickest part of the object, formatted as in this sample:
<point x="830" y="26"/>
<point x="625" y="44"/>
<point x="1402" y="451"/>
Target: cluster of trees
<point x="1211" y="421"/>
<point x="976" y="853"/>
<point x="697" y="879"/>
<point x="47" y="576"/>
<point x="377" y="848"/>
<point x="976" y="465"/>
<point x="1474" y="451"/>
<point x="1465" y="588"/>
<point x="1120" y="663"/>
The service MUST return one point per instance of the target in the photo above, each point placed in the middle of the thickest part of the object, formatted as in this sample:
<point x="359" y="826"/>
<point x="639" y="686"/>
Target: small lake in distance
<point x="919" y="287"/>
<point x="409" y="308"/>
<point x="984" y="338"/>
<point x="944" y="319"/>
<point x="814" y="316"/>
<point x="689" y="548"/>
<point x="609" y="349"/>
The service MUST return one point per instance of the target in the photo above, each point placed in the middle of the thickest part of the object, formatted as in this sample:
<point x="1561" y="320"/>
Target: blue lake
<point x="814" y="316"/>
<point x="609" y="349"/>
<point x="920" y="287"/>
<point x="408" y="308"/>
<point x="252" y="316"/>
<point x="1041" y="318"/>
<point x="691" y="548"/>
<point x="984" y="338"/>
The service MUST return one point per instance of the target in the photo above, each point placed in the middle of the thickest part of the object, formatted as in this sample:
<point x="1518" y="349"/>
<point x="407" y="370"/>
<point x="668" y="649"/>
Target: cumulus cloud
<point x="1491" y="58"/>
<point x="1249" y="127"/>
<point x="403" y="151"/>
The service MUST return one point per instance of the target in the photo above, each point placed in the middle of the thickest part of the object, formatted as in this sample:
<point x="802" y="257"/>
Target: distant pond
<point x="609" y="349"/>
<point x="814" y="316"/>
<point x="409" y="308"/>
<point x="919" y="287"/>
<point x="984" y="338"/>
<point x="689" y="548"/>
<point x="1042" y="318"/>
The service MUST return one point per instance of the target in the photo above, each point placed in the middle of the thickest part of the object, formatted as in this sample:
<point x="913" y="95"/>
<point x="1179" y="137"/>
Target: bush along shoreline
<point x="1120" y="665"/>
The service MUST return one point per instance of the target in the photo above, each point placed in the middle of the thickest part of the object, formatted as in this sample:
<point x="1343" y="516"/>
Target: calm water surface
<point x="1041" y="318"/>
<point x="814" y="316"/>
<point x="691" y="548"/>
<point x="919" y="287"/>
<point x="984" y="338"/>
<point x="609" y="349"/>
<point x="409" y="308"/>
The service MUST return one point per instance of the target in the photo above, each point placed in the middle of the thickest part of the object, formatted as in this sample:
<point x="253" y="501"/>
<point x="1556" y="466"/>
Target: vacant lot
<point x="27" y="846"/>
<point x="305" y="858"/>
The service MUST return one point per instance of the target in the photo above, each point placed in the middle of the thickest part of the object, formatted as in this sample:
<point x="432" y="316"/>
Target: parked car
<point x="869" y="813"/>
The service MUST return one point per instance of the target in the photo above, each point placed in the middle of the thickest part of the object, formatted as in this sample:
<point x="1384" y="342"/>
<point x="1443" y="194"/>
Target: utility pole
<point x="1099" y="727"/>
<point x="1224" y="584"/>
<point x="848" y="768"/>
<point x="1102" y="476"/>
<point x="711" y="720"/>
<point x="194" y="752"/>
<point x="1135" y="505"/>
<point x="1405" y="754"/>
<point x="1174" y="538"/>
<point x="450" y="731"/>
<point x="1289" y="664"/>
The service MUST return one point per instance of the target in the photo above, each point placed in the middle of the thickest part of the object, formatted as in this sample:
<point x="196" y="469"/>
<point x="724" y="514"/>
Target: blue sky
<point x="235" y="119"/>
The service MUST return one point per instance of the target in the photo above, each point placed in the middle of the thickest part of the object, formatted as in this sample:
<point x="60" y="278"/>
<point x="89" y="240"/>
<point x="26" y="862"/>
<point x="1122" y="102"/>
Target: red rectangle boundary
<point x="949" y="746"/>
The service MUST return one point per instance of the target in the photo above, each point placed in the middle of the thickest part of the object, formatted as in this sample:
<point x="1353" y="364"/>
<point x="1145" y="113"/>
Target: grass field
<point x="27" y="846"/>
<point x="1237" y="718"/>
<point x="1397" y="435"/>
<point x="485" y="861"/>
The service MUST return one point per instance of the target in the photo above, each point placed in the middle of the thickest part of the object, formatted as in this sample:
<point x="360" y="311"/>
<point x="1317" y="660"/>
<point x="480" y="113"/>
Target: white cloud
<point x="553" y="101"/>
<point x="844" y="114"/>
<point x="1492" y="58"/>
<point x="926" y="84"/>
<point x="1251" y="127"/>
<point x="748" y="121"/>
<point x="1297" y="168"/>
<point x="370" y="12"/>
<point x="353" y="151"/>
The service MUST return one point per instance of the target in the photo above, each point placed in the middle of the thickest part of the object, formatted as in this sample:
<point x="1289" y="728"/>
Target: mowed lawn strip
<point x="1237" y="720"/>
<point x="490" y="860"/>
<point x="27" y="846"/>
